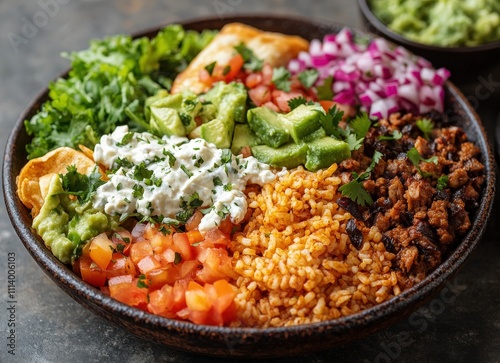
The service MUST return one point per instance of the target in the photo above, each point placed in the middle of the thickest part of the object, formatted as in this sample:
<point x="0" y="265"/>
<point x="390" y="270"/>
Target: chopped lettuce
<point x="108" y="85"/>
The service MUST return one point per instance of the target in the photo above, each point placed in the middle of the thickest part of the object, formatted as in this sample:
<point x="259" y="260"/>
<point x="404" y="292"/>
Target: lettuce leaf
<point x="108" y="85"/>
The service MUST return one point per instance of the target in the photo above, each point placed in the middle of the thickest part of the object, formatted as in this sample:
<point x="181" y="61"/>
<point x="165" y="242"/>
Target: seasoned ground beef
<point x="420" y="213"/>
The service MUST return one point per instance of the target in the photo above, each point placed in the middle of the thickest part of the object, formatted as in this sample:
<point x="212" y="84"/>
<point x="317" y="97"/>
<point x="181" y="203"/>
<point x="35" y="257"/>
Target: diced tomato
<point x="326" y="104"/>
<point x="235" y="65"/>
<point x="226" y="226"/>
<point x="267" y="74"/>
<point x="123" y="241"/>
<point x="218" y="238"/>
<point x="183" y="246"/>
<point x="139" y="250"/>
<point x="253" y="80"/>
<point x="129" y="293"/>
<point x="188" y="269"/>
<point x="194" y="236"/>
<point x="194" y="221"/>
<point x="281" y="98"/>
<point x="159" y="277"/>
<point x="197" y="298"/>
<point x="216" y="265"/>
<point x="160" y="242"/>
<point x="120" y="265"/>
<point x="101" y="250"/>
<point x="271" y="106"/>
<point x="120" y="279"/>
<point x="205" y="77"/>
<point x="91" y="272"/>
<point x="260" y="95"/>
<point x="246" y="151"/>
<point x="147" y="264"/>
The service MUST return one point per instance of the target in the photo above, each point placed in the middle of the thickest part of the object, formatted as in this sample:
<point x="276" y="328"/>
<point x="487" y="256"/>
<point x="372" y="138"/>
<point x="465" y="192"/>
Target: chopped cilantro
<point x="141" y="283"/>
<point x="126" y="139"/>
<point x="178" y="258"/>
<point x="281" y="79"/>
<point x="217" y="181"/>
<point x="426" y="126"/>
<point x="308" y="77"/>
<point x="81" y="185"/>
<point x="123" y="163"/>
<point x="226" y="156"/>
<point x="252" y="63"/>
<point x="360" y="125"/>
<point x="226" y="70"/>
<point x="210" y="67"/>
<point x="171" y="157"/>
<point x="141" y="172"/>
<point x="354" y="190"/>
<point x="228" y="187"/>
<point x="199" y="162"/>
<point x="395" y="135"/>
<point x="442" y="182"/>
<point x="330" y="121"/>
<point x="325" y="92"/>
<point x="138" y="191"/>
<point x="416" y="158"/>
<point x="186" y="170"/>
<point x="297" y="101"/>
<point x="164" y="230"/>
<point x="120" y="247"/>
<point x="185" y="118"/>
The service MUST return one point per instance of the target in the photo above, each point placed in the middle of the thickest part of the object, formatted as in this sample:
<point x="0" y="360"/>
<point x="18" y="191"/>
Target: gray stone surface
<point x="51" y="327"/>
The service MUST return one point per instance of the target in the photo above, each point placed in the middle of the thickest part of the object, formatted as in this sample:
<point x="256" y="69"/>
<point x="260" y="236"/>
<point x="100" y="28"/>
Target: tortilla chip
<point x="32" y="180"/>
<point x="88" y="152"/>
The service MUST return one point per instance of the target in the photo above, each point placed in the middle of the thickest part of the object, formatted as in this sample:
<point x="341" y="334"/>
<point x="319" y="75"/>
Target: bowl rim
<point x="56" y="270"/>
<point x="374" y="21"/>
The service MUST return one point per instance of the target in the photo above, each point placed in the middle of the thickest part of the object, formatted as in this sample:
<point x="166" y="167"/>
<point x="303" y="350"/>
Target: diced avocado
<point x="208" y="112"/>
<point x="302" y="121"/>
<point x="150" y="100"/>
<point x="324" y="152"/>
<point x="318" y="134"/>
<point x="268" y="126"/>
<point x="288" y="156"/>
<point x="169" y="113"/>
<point x="218" y="132"/>
<point x="243" y="136"/>
<point x="166" y="121"/>
<point x="230" y="99"/>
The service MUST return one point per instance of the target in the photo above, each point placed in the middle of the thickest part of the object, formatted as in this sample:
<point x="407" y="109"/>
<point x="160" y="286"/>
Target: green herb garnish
<point x="281" y="79"/>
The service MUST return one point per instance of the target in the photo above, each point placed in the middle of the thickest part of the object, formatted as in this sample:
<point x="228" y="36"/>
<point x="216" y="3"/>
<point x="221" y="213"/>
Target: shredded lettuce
<point x="108" y="85"/>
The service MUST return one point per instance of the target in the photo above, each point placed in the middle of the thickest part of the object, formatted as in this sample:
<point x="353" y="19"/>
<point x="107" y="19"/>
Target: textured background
<point x="50" y="327"/>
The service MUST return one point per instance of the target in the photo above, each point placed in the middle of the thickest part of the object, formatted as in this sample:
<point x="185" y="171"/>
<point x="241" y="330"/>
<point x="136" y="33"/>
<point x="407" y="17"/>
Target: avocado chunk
<point x="318" y="134"/>
<point x="230" y="100"/>
<point x="174" y="114"/>
<point x="150" y="100"/>
<point x="324" y="152"/>
<point x="288" y="156"/>
<point x="243" y="136"/>
<point x="268" y="126"/>
<point x="218" y="132"/>
<point x="302" y="121"/>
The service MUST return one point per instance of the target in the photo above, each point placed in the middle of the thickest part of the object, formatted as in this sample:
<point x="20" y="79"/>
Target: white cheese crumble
<point x="171" y="176"/>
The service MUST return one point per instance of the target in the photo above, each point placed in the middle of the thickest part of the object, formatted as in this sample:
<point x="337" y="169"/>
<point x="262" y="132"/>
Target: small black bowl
<point x="463" y="62"/>
<point x="251" y="342"/>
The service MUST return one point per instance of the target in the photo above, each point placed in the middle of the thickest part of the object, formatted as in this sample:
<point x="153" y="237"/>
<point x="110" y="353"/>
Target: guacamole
<point x="64" y="223"/>
<point x="447" y="23"/>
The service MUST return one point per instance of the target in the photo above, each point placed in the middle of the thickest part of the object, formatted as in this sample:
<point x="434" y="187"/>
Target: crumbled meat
<point x="418" y="194"/>
<point x="457" y="178"/>
<point x="419" y="222"/>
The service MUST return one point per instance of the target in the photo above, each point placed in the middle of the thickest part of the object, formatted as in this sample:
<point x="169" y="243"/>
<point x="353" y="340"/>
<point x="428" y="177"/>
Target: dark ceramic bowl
<point x="463" y="62"/>
<point x="250" y="342"/>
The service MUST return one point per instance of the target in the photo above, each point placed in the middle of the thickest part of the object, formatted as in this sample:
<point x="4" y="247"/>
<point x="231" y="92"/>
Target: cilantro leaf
<point x="354" y="190"/>
<point x="395" y="135"/>
<point x="353" y="142"/>
<point x="81" y="185"/>
<point x="416" y="158"/>
<point x="252" y="63"/>
<point x="281" y="79"/>
<point x="426" y="126"/>
<point x="308" y="77"/>
<point x="360" y="125"/>
<point x="297" y="101"/>
<point x="330" y="121"/>
<point x="442" y="182"/>
<point x="210" y="67"/>
<point x="324" y="91"/>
